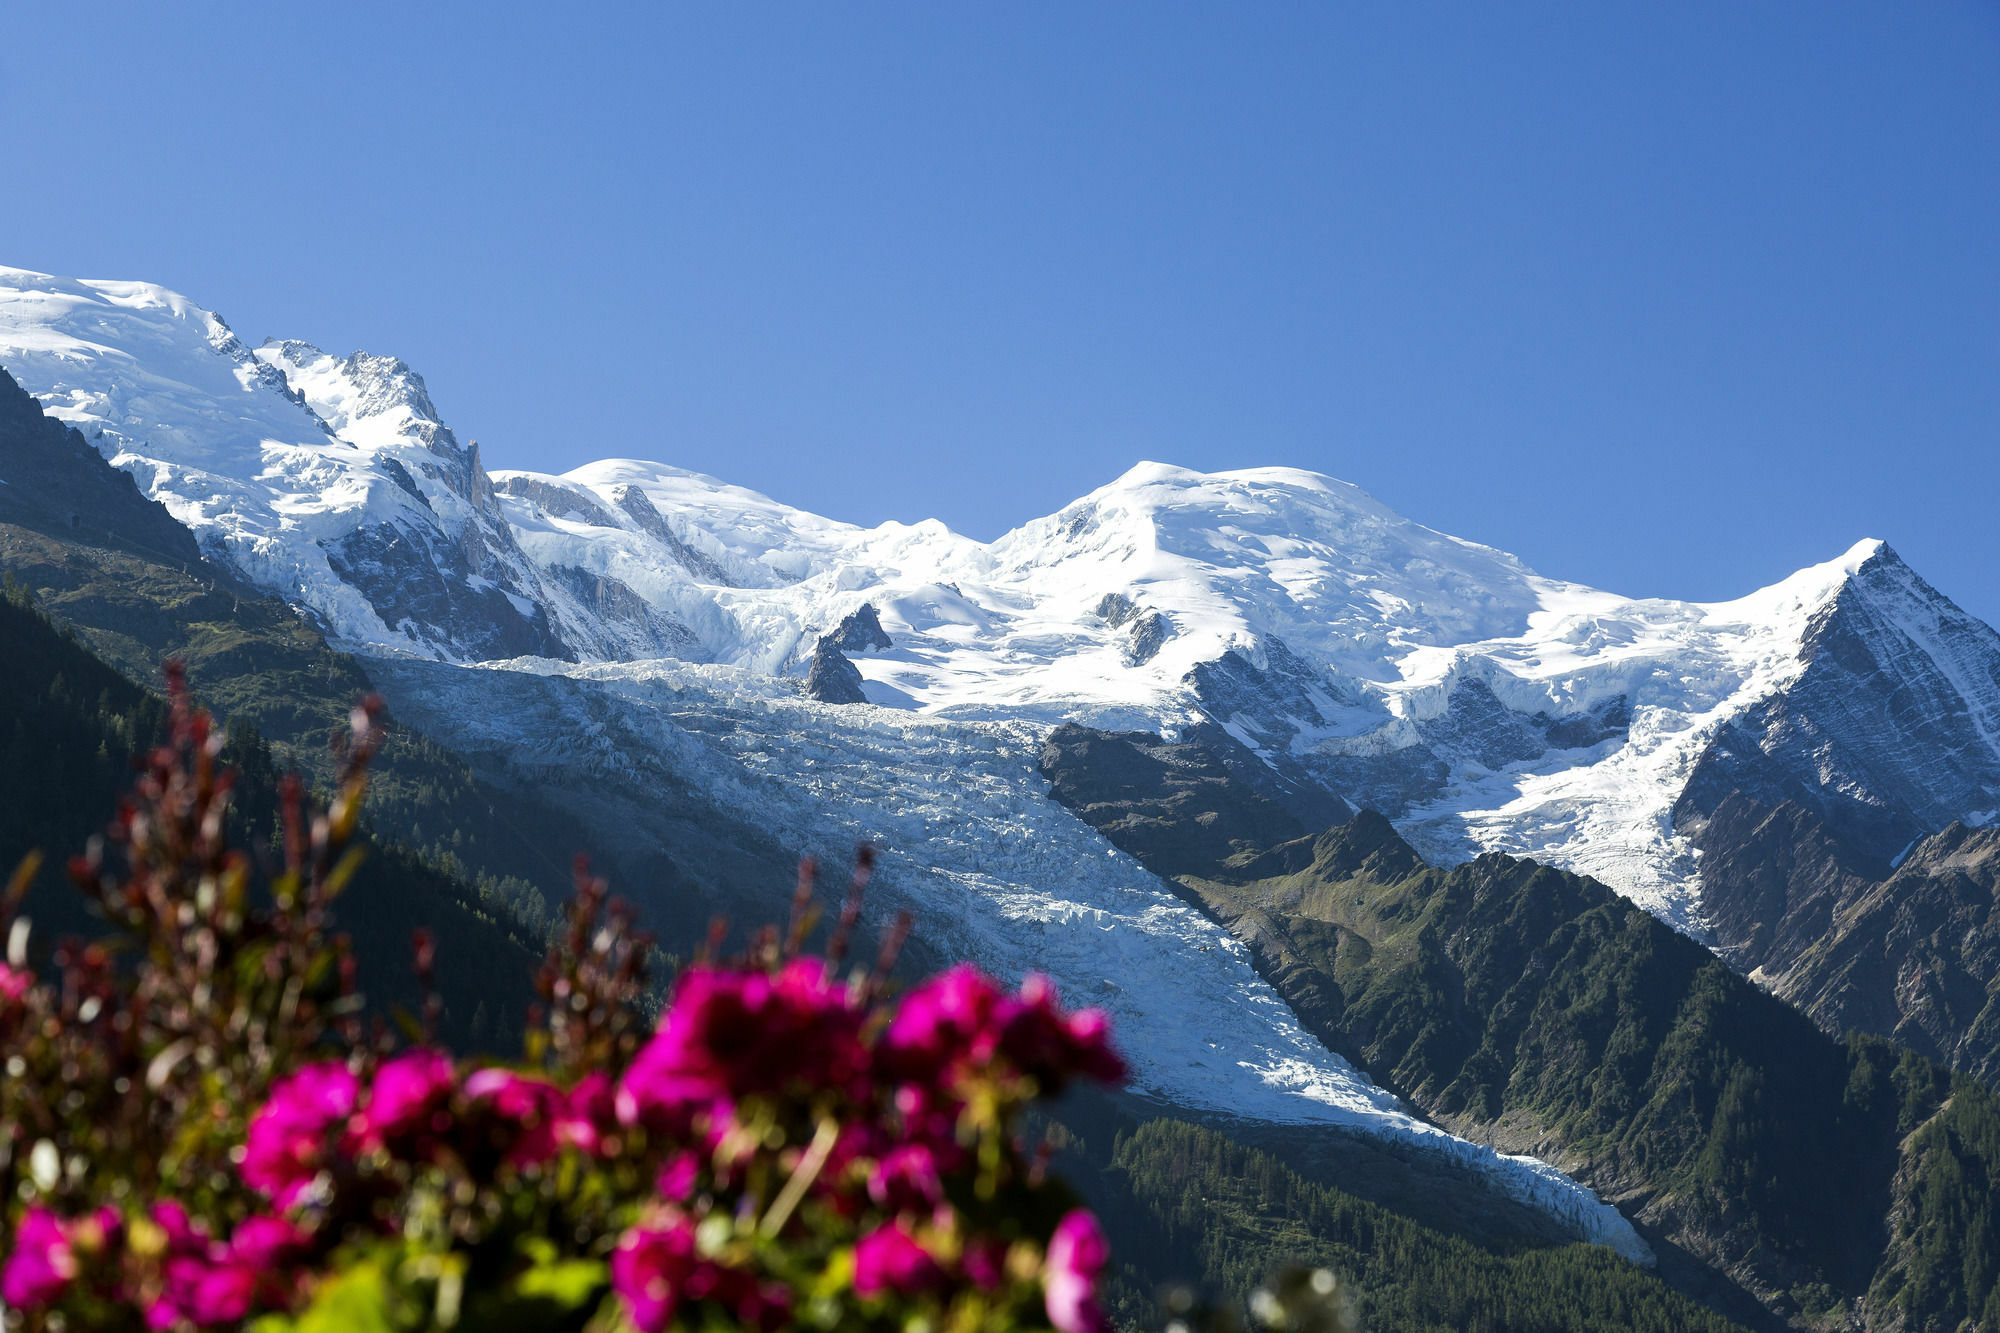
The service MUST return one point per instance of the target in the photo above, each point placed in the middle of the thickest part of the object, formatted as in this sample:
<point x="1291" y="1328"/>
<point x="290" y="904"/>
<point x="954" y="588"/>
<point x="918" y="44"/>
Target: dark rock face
<point x="645" y="631"/>
<point x="1149" y="631"/>
<point x="1180" y="806"/>
<point x="1149" y="634"/>
<point x="1115" y="608"/>
<point x="634" y="502"/>
<point x="1270" y="708"/>
<point x="52" y="481"/>
<point x="832" y="679"/>
<point x="1887" y="734"/>
<point x="558" y="501"/>
<point x="1912" y="953"/>
<point x="859" y="632"/>
<point x="417" y="582"/>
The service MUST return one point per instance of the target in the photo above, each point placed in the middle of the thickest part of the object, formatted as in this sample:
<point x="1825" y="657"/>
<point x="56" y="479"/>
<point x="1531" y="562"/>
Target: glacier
<point x="631" y="622"/>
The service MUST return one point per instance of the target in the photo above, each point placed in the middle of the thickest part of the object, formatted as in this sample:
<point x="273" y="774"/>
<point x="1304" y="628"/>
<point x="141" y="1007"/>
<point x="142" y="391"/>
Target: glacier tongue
<point x="992" y="868"/>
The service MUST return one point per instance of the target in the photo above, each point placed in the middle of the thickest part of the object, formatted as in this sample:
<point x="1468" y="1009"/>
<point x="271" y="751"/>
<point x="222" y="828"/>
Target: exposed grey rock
<point x="832" y="679"/>
<point x="416" y="582"/>
<point x="1115" y="608"/>
<point x="1877" y="737"/>
<point x="645" y="631"/>
<point x="1270" y="707"/>
<point x="634" y="502"/>
<point x="860" y="631"/>
<point x="558" y="501"/>
<point x="1149" y="633"/>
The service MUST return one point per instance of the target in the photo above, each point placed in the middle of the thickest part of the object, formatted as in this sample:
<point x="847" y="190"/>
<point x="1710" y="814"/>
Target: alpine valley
<point x="1631" y="961"/>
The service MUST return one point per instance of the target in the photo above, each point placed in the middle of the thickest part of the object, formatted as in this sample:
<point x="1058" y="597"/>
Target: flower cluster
<point x="789" y="1144"/>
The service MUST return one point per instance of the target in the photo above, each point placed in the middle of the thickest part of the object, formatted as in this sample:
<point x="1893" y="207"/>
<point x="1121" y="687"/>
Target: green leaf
<point x="570" y="1283"/>
<point x="357" y="1301"/>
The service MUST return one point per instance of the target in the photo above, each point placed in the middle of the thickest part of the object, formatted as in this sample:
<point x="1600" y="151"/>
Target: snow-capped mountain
<point x="1481" y="705"/>
<point x="630" y="623"/>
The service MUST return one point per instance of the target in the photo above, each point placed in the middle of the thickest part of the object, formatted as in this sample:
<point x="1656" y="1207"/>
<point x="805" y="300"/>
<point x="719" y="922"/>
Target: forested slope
<point x="1836" y="1182"/>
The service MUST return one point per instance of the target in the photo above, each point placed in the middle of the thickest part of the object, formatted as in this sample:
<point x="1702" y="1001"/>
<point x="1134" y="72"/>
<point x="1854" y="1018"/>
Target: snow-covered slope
<point x="384" y="527"/>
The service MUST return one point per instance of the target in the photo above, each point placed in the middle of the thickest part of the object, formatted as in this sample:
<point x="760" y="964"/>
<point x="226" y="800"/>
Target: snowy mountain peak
<point x="1482" y="705"/>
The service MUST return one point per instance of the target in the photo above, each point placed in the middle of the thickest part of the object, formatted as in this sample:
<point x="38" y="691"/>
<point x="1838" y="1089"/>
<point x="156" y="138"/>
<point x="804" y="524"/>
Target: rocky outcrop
<point x="418" y="584"/>
<point x="1910" y="952"/>
<point x="634" y="502"/>
<point x="1301" y="719"/>
<point x="558" y="501"/>
<point x="860" y="631"/>
<point x="1887" y="734"/>
<point x="832" y="679"/>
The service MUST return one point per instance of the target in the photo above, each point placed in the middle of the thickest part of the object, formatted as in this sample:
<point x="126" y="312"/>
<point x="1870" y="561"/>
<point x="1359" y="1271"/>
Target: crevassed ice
<point x="993" y="869"/>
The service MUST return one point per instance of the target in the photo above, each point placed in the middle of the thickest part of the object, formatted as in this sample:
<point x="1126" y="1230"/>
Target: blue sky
<point x="1669" y="299"/>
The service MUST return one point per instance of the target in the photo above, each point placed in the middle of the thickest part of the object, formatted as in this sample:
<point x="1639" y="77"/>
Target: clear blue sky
<point x="1667" y="298"/>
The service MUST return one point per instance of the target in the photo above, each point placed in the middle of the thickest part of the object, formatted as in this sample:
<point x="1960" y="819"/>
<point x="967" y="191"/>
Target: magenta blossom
<point x="409" y="1103"/>
<point x="678" y="1177"/>
<point x="985" y="1262"/>
<point x="1052" y="1047"/>
<point x="266" y="1243"/>
<point x="736" y="1032"/>
<point x="650" y="1270"/>
<point x="889" y="1260"/>
<point x="534" y="1108"/>
<point x="49" y="1252"/>
<point x="14" y="983"/>
<point x="208" y="1284"/>
<point x="43" y="1263"/>
<point x="589" y="1115"/>
<point x="1077" y="1256"/>
<point x="287" y="1141"/>
<point x="906" y="1180"/>
<point x="947" y="1020"/>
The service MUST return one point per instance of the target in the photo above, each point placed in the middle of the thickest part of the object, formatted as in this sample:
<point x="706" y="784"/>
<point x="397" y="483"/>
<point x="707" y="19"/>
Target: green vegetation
<point x="252" y="660"/>
<point x="1943" y="1261"/>
<point x="70" y="728"/>
<point x="1205" y="1206"/>
<point x="1541" y="1010"/>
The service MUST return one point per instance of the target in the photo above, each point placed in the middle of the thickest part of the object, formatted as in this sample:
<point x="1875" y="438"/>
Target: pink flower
<point x="409" y="1103"/>
<point x="947" y="1020"/>
<point x="1077" y="1255"/>
<point x="287" y="1141"/>
<point x="985" y="1262"/>
<point x="589" y="1115"/>
<point x="1051" y="1047"/>
<point x="650" y="1271"/>
<point x="889" y="1259"/>
<point x="266" y="1243"/>
<point x="737" y="1032"/>
<point x="43" y="1263"/>
<point x="220" y="1284"/>
<point x="14" y="983"/>
<point x="678" y="1177"/>
<point x="223" y="1294"/>
<point x="534" y="1109"/>
<point x="906" y="1180"/>
<point x="183" y="1236"/>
